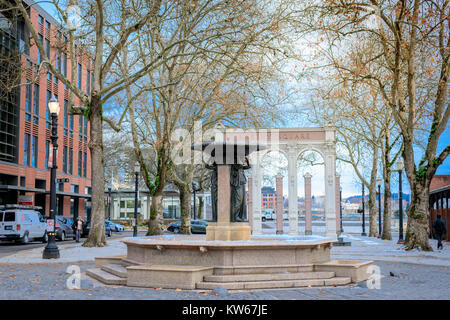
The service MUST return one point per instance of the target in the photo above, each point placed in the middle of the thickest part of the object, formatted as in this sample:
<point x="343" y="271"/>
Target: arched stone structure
<point x="292" y="142"/>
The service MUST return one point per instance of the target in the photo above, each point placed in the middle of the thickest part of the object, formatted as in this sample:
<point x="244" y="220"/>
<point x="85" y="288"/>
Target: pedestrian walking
<point x="79" y="228"/>
<point x="439" y="230"/>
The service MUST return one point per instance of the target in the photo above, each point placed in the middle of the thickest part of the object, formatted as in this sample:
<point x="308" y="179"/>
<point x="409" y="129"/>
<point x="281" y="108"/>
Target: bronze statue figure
<point x="237" y="197"/>
<point x="238" y="180"/>
<point x="213" y="190"/>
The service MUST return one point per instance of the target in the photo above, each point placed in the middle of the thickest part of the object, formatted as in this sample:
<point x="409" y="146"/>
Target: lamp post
<point x="340" y="208"/>
<point x="109" y="201"/>
<point x="363" y="217"/>
<point x="379" y="207"/>
<point x="400" y="167"/>
<point x="51" y="250"/>
<point x="137" y="167"/>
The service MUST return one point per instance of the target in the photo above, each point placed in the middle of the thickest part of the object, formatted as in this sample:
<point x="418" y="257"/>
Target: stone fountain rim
<point x="221" y="244"/>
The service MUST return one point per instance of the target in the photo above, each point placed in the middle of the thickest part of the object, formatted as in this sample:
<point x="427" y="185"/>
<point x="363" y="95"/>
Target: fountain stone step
<point x="105" y="277"/>
<point x="166" y="276"/>
<point x="269" y="277"/>
<point x="274" y="284"/>
<point x="262" y="269"/>
<point x="115" y="269"/>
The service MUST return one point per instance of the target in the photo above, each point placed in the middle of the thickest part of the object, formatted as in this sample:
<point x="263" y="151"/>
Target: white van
<point x="22" y="225"/>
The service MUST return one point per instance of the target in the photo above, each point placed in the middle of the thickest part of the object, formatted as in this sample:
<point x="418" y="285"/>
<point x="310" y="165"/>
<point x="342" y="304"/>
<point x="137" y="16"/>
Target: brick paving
<point x="48" y="282"/>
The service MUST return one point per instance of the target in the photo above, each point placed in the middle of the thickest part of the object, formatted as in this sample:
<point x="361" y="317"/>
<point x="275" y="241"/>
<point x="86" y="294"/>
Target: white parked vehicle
<point x="268" y="215"/>
<point x="22" y="224"/>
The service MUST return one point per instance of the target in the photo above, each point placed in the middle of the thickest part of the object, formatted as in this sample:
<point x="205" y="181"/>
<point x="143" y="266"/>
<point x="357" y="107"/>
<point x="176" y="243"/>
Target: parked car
<point x="268" y="215"/>
<point x="64" y="228"/>
<point x="22" y="224"/>
<point x="115" y="227"/>
<point x="197" y="226"/>
<point x="87" y="227"/>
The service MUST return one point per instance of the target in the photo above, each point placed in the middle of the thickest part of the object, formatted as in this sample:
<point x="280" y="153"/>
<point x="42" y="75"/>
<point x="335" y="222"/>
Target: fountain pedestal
<point x="224" y="229"/>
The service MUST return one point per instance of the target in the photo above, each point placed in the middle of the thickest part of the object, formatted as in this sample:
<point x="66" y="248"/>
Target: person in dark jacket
<point x="439" y="230"/>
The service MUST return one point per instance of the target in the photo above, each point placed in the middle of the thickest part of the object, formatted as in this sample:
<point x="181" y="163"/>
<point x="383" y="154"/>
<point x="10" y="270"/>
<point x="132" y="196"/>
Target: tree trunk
<point x="200" y="207"/>
<point x="418" y="229"/>
<point x="373" y="212"/>
<point x="387" y="215"/>
<point x="155" y="222"/>
<point x="96" y="236"/>
<point x="185" y="208"/>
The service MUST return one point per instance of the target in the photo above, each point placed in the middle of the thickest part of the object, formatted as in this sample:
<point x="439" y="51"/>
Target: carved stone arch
<point x="306" y="148"/>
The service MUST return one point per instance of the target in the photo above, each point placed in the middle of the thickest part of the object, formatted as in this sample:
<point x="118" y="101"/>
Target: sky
<point x="349" y="181"/>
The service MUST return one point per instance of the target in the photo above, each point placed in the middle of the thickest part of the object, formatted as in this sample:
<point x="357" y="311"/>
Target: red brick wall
<point x="43" y="134"/>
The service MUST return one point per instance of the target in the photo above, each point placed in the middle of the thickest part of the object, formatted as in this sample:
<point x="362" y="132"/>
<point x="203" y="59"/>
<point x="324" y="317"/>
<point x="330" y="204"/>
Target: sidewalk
<point x="369" y="248"/>
<point x="73" y="252"/>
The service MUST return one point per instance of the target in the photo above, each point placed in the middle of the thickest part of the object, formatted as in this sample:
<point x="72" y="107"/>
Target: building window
<point x="71" y="125"/>
<point x="65" y="159"/>
<point x="80" y="163"/>
<point x="24" y="39"/>
<point x="88" y="83"/>
<point x="47" y="48"/>
<point x="85" y="129"/>
<point x="66" y="118"/>
<point x="28" y="101"/>
<point x="84" y="163"/>
<point x="34" y="153"/>
<point x="80" y="127"/>
<point x="70" y="161"/>
<point x="64" y="64"/>
<point x="26" y="150"/>
<point x="36" y="104"/>
<point x="47" y="25"/>
<point x="41" y="19"/>
<point x="58" y="60"/>
<point x="39" y="58"/>
<point x="80" y="72"/>
<point x="47" y="153"/>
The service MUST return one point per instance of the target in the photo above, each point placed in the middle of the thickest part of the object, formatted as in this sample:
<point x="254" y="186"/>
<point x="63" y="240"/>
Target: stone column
<point x="338" y="203"/>
<point x="330" y="191"/>
<point x="293" y="198"/>
<point x="250" y="201"/>
<point x="279" y="204"/>
<point x="256" y="190"/>
<point x="308" y="209"/>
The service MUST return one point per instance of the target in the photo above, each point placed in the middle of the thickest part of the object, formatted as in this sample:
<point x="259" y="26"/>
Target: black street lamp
<point x="51" y="250"/>
<point x="363" y="217"/>
<point x="340" y="207"/>
<point x="137" y="167"/>
<point x="109" y="201"/>
<point x="400" y="167"/>
<point x="195" y="189"/>
<point x="379" y="207"/>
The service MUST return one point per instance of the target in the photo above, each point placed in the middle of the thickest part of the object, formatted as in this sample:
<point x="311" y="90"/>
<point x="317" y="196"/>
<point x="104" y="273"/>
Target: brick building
<point x="25" y="120"/>
<point x="439" y="201"/>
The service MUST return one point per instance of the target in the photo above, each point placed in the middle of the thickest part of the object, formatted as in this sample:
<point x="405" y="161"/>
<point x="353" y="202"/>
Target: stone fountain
<point x="228" y="256"/>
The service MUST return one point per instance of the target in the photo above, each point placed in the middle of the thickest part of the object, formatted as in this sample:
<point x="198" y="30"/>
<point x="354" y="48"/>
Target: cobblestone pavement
<point x="48" y="282"/>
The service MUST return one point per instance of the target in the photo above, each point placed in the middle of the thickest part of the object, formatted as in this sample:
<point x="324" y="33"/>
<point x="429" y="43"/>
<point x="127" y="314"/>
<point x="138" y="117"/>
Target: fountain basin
<point x="186" y="250"/>
<point x="192" y="262"/>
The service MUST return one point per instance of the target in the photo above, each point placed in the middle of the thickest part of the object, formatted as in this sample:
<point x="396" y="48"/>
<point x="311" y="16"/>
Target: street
<point x="9" y="247"/>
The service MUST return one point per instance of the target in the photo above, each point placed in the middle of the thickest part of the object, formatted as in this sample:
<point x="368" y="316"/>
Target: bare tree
<point x="412" y="51"/>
